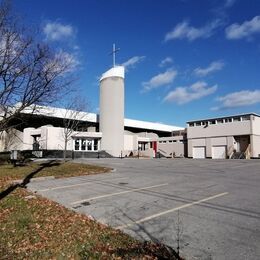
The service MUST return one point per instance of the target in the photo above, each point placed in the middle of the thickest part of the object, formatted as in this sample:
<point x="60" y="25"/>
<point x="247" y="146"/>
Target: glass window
<point x="191" y="124"/>
<point x="220" y="121"/>
<point x="212" y="122"/>
<point x="236" y="119"/>
<point x="95" y="144"/>
<point x="83" y="144"/>
<point x="245" y="118"/>
<point x="77" y="142"/>
<point x="89" y="145"/>
<point x="198" y="123"/>
<point x="228" y="120"/>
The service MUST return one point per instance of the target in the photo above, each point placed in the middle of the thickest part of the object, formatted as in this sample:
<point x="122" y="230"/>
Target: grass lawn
<point x="32" y="227"/>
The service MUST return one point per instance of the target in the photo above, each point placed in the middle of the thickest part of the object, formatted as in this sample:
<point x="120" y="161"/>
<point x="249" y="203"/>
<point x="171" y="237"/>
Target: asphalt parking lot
<point x="214" y="203"/>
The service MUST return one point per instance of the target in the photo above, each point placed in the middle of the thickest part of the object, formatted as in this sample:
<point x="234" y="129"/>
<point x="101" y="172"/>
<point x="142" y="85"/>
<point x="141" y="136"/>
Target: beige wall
<point x="171" y="149"/>
<point x="223" y="134"/>
<point x="255" y="146"/>
<point x="171" y="146"/>
<point x="221" y="129"/>
<point x="130" y="142"/>
<point x="228" y="141"/>
<point x="51" y="138"/>
<point x="255" y="125"/>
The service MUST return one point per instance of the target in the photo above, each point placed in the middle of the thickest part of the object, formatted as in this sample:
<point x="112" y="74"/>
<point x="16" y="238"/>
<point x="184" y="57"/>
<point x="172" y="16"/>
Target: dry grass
<point x="57" y="169"/>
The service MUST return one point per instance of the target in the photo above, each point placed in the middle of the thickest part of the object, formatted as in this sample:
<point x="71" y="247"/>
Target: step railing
<point x="248" y="152"/>
<point x="230" y="151"/>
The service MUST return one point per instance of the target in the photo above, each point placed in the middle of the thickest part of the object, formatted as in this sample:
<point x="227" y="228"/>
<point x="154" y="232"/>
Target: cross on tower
<point x="114" y="51"/>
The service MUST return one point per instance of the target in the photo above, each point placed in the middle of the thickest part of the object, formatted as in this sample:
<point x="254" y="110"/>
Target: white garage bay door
<point x="219" y="152"/>
<point x="199" y="152"/>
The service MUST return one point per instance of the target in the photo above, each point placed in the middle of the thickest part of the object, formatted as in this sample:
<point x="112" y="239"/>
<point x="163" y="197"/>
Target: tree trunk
<point x="65" y="150"/>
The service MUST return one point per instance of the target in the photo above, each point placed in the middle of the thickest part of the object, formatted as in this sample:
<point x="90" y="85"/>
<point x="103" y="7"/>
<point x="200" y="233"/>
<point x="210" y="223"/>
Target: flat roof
<point x="93" y="118"/>
<point x="222" y="117"/>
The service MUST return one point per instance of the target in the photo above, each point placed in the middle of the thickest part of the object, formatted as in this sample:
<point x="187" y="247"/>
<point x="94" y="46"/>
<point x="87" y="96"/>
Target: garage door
<point x="199" y="152"/>
<point x="219" y="152"/>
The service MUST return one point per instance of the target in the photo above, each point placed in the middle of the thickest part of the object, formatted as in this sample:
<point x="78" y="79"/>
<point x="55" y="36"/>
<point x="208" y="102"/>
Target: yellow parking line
<point x="118" y="193"/>
<point x="171" y="210"/>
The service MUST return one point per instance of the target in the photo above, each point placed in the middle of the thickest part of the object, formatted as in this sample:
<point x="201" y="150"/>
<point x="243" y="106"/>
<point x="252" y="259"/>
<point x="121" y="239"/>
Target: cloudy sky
<point x="184" y="59"/>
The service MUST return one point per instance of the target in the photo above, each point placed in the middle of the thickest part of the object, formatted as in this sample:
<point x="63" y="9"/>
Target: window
<point x="95" y="144"/>
<point x="212" y="122"/>
<point x="198" y="123"/>
<point x="89" y="145"/>
<point x="245" y="118"/>
<point x="220" y="121"/>
<point x="228" y="120"/>
<point x="83" y="144"/>
<point x="191" y="124"/>
<point x="77" y="142"/>
<point x="236" y="119"/>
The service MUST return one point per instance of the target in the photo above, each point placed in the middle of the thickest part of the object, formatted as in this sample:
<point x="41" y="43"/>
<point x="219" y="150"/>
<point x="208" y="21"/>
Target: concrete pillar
<point x="111" y="118"/>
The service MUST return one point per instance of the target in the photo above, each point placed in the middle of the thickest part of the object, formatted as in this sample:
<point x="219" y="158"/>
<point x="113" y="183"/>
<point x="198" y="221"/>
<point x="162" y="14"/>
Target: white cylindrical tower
<point x="111" y="117"/>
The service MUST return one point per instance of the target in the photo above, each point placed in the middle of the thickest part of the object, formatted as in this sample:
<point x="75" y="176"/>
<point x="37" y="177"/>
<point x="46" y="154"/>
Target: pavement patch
<point x="117" y="193"/>
<point x="171" y="210"/>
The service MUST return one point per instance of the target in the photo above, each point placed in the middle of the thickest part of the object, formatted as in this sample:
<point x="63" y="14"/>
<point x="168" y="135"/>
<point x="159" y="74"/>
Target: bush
<point x="4" y="157"/>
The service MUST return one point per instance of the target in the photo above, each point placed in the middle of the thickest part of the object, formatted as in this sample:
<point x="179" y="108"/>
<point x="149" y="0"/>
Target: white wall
<point x="255" y="146"/>
<point x="208" y="143"/>
<point x="221" y="129"/>
<point x="130" y="142"/>
<point x="11" y="141"/>
<point x="27" y="138"/>
<point x="171" y="149"/>
<point x="255" y="125"/>
<point x="51" y="138"/>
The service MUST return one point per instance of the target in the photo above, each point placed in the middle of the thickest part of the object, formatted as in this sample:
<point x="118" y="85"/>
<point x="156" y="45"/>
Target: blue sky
<point x="185" y="59"/>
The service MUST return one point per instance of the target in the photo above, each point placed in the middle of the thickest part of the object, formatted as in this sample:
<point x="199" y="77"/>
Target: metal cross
<point x="114" y="51"/>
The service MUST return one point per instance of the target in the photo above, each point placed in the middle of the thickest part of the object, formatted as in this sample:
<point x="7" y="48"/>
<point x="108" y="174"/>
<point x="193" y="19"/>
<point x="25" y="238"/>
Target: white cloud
<point x="159" y="80"/>
<point x="131" y="63"/>
<point x="184" y="30"/>
<point x="245" y="30"/>
<point x="56" y="31"/>
<point x="239" y="99"/>
<point x="182" y="95"/>
<point x="213" y="67"/>
<point x="165" y="62"/>
<point x="229" y="3"/>
<point x="63" y="62"/>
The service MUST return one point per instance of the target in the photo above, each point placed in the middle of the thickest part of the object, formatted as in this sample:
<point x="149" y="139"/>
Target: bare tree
<point x="31" y="73"/>
<point x="73" y="119"/>
<point x="10" y="139"/>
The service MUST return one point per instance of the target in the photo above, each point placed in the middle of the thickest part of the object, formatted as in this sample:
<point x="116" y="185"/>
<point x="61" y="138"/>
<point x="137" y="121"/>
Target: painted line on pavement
<point x="118" y="193"/>
<point x="171" y="210"/>
<point x="75" y="185"/>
